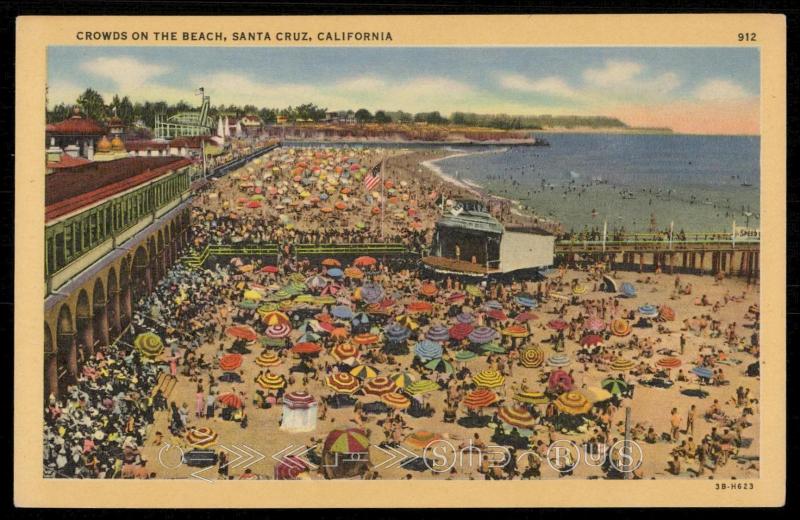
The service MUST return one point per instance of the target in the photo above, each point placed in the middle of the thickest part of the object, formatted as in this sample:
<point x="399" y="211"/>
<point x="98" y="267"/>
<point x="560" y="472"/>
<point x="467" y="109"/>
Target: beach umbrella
<point x="335" y="272"/>
<point x="620" y="327"/>
<point x="271" y="342"/>
<point x="253" y="204"/>
<point x="437" y="332"/>
<point x="316" y="281"/>
<point x="149" y="344"/>
<point x="342" y="312"/>
<point x="419" y="307"/>
<point x="230" y="400"/>
<point x="427" y="349"/>
<point x="422" y="386"/>
<point x="493" y="305"/>
<point x="363" y="372"/>
<point x="465" y="317"/>
<point x="456" y="297"/>
<point x="344" y="351"/>
<point x="517" y="416"/>
<point x="492" y="347"/>
<point x="465" y="355"/>
<point x="474" y="290"/>
<point x="364" y="261"/>
<point x="666" y="313"/>
<point x="271" y="381"/>
<point x="403" y="380"/>
<point x="278" y="331"/>
<point x="480" y="398"/>
<point x="558" y="360"/>
<point x="440" y="365"/>
<point x="325" y="300"/>
<point x="573" y="403"/>
<point x="379" y="385"/>
<point x="531" y="397"/>
<point x="532" y="357"/>
<point x="496" y="314"/>
<point x="269" y="269"/>
<point x="591" y="340"/>
<point x="489" y="379"/>
<point x="628" y="290"/>
<point x="340" y="333"/>
<point x="396" y="333"/>
<point x="306" y="348"/>
<point x="594" y="394"/>
<point x="558" y="324"/>
<point x="371" y="293"/>
<point x="290" y="467"/>
<point x="274" y="318"/>
<point x="622" y="364"/>
<point x="524" y="317"/>
<point x="202" y="437"/>
<point x="669" y="362"/>
<point x="482" y="335"/>
<point x="331" y="262"/>
<point x="365" y="338"/>
<point x="299" y="400"/>
<point x="460" y="331"/>
<point x="703" y="372"/>
<point x="244" y="332"/>
<point x="308" y="299"/>
<point x="268" y="359"/>
<point x="351" y="440"/>
<point x="354" y="273"/>
<point x="230" y="362"/>
<point x="343" y="383"/>
<point x="648" y="311"/>
<point x="396" y="400"/>
<point x="559" y="379"/>
<point x="515" y="331"/>
<point x="428" y="289"/>
<point x="579" y="289"/>
<point x="309" y="337"/>
<point x="422" y="439"/>
<point x="248" y="304"/>
<point x="525" y="301"/>
<point x="595" y="325"/>
<point x="614" y="386"/>
<point x="407" y="321"/>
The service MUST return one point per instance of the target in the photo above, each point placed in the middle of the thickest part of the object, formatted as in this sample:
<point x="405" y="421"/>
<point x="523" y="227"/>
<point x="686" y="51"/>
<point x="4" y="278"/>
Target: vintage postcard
<point x="477" y="261"/>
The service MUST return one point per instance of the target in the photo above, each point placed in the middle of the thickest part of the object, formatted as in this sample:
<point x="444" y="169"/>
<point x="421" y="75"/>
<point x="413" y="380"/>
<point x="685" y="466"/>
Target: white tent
<point x="299" y="412"/>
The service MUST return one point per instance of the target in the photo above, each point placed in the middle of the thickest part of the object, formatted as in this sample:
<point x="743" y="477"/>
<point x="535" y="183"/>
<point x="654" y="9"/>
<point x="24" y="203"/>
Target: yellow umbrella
<point x="573" y="403"/>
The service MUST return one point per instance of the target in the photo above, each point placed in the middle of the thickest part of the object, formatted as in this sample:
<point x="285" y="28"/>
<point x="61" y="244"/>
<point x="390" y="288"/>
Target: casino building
<point x="112" y="229"/>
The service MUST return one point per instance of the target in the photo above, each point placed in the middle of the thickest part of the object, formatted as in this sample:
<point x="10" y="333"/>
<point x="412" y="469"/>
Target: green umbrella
<point x="271" y="342"/>
<point x="248" y="304"/>
<point x="440" y="365"/>
<point x="422" y="386"/>
<point x="493" y="347"/>
<point x="465" y="355"/>
<point x="614" y="386"/>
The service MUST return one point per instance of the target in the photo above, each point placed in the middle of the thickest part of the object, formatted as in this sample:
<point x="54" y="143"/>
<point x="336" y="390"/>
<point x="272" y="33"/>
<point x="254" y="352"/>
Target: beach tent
<point x="628" y="290"/>
<point x="609" y="285"/>
<point x="299" y="412"/>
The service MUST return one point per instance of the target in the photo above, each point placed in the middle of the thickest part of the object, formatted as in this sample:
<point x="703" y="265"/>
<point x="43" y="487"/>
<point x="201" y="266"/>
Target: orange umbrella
<point x="396" y="401"/>
<point x="340" y="205"/>
<point x="244" y="332"/>
<point x="339" y="333"/>
<point x="230" y="362"/>
<point x="428" y="289"/>
<point x="306" y="348"/>
<point x="480" y="398"/>
<point x="344" y="351"/>
<point x="364" y="261"/>
<point x="331" y="262"/>
<point x="419" y="307"/>
<point x="379" y="386"/>
<point x="354" y="272"/>
<point x="273" y="318"/>
<point x="366" y="338"/>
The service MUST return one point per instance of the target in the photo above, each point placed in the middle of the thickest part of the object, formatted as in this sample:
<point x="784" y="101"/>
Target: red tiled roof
<point x="76" y="125"/>
<point x="69" y="190"/>
<point x="136" y="146"/>
<point x="68" y="161"/>
<point x="188" y="142"/>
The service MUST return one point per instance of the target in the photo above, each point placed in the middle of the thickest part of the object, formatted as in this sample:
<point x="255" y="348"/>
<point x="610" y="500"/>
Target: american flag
<point x="373" y="177"/>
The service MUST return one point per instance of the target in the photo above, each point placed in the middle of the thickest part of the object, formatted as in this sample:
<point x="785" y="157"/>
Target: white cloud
<point x="720" y="90"/>
<point x="629" y="78"/>
<point x="551" y="85"/>
<point x="127" y="72"/>
<point x="61" y="91"/>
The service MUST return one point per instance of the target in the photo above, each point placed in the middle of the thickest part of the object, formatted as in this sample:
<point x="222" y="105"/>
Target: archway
<point x="84" y="329"/>
<point x="124" y="293"/>
<point x="66" y="350"/>
<point x="168" y="258"/>
<point x="112" y="309"/>
<point x="173" y="241"/>
<point x="50" y="364"/>
<point x="151" y="250"/>
<point x="140" y="274"/>
<point x="160" y="255"/>
<point x="100" y="319"/>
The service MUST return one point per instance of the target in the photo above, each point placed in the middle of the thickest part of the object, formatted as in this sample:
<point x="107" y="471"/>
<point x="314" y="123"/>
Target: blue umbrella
<point x="526" y="301"/>
<point x="465" y="317"/>
<point x="361" y="318"/>
<point x="309" y="337"/>
<point x="628" y="290"/>
<point x="493" y="304"/>
<point x="396" y="332"/>
<point x="371" y="293"/>
<point x="427" y="349"/>
<point x="482" y="335"/>
<point x="703" y="372"/>
<point x="649" y="311"/>
<point x="438" y="333"/>
<point x="335" y="272"/>
<point x="342" y="311"/>
<point x="323" y="196"/>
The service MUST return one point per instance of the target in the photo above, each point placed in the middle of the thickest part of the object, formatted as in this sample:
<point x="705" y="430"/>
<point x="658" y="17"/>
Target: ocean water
<point x="583" y="179"/>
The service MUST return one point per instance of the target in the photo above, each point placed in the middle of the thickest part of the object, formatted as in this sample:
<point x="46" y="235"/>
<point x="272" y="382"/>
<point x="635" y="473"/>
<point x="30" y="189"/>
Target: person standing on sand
<point x="675" y="423"/>
<point x="690" y="420"/>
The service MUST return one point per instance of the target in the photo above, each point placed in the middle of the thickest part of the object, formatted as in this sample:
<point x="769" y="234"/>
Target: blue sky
<point x="618" y="81"/>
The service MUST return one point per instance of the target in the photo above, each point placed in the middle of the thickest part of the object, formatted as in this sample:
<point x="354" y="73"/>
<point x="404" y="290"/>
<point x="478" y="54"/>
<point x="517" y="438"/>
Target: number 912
<point x="746" y="37"/>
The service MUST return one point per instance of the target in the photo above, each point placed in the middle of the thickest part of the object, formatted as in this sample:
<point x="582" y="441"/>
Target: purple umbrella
<point x="482" y="335"/>
<point x="438" y="333"/>
<point x="465" y="317"/>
